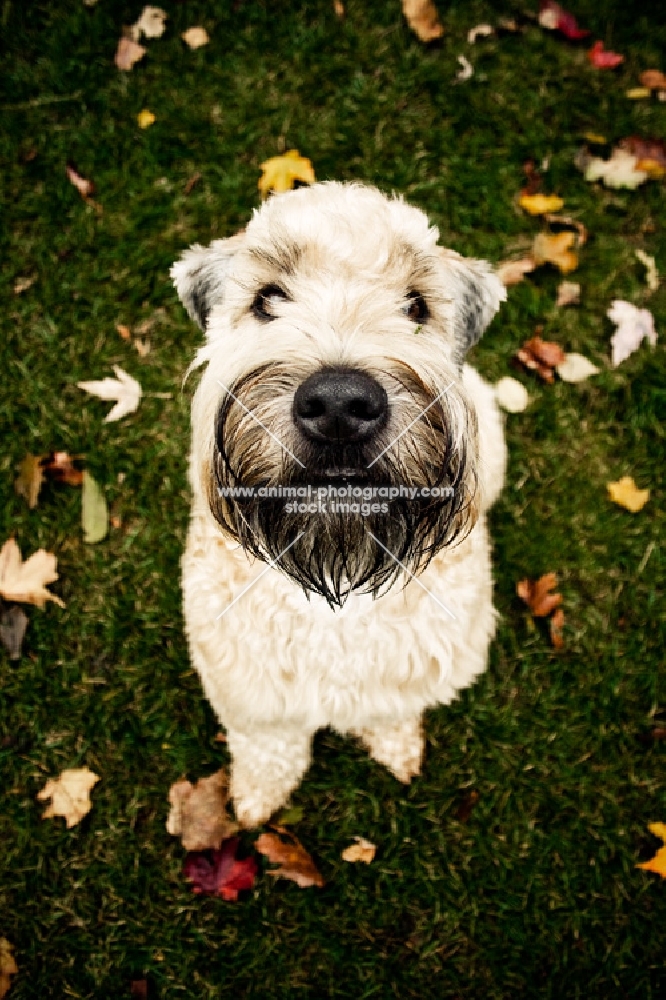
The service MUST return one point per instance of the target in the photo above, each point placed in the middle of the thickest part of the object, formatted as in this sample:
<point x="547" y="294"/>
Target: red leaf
<point x="220" y="873"/>
<point x="552" y="16"/>
<point x="604" y="60"/>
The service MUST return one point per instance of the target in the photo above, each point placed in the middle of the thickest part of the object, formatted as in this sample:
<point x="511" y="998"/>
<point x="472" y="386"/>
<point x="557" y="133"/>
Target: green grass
<point x="536" y="894"/>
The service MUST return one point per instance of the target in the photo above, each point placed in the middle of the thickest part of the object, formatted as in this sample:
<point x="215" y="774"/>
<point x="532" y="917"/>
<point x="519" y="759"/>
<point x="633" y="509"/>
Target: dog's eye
<point x="416" y="308"/>
<point x="262" y="304"/>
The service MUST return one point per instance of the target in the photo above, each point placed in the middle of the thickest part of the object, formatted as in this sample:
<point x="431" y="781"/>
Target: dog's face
<point x="336" y="331"/>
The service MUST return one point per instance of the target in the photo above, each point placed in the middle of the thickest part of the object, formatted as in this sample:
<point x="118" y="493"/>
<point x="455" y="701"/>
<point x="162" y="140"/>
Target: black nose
<point x="339" y="404"/>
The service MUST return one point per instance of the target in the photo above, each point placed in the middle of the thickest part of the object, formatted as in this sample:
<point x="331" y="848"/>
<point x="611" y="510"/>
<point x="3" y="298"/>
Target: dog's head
<point x="336" y="331"/>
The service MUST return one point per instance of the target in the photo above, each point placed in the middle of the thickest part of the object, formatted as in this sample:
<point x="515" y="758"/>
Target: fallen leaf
<point x="556" y="18"/>
<point x="290" y="816"/>
<point x="128" y="53"/>
<point x="653" y="79"/>
<point x="199" y="813"/>
<point x="535" y="594"/>
<point x="69" y="794"/>
<point x="124" y="331"/>
<point x="562" y="223"/>
<point x="59" y="466"/>
<point x="512" y="272"/>
<point x="556" y="625"/>
<point x="124" y="389"/>
<point x="556" y="248"/>
<point x="621" y="170"/>
<point x="339" y="8"/>
<point x="195" y="37"/>
<point x="192" y="182"/>
<point x="422" y="18"/>
<point x="83" y="186"/>
<point x="636" y="93"/>
<point x="511" y="395"/>
<point x="651" y="273"/>
<point x="142" y="347"/>
<point x="466" y="69"/>
<point x="139" y="989"/>
<point x="533" y="178"/>
<point x="8" y="967"/>
<point x="633" y="326"/>
<point x="363" y="850"/>
<point x="576" y="368"/>
<point x="539" y="204"/>
<point x="568" y="294"/>
<point x="296" y="864"/>
<point x="280" y="172"/>
<point x="30" y="478"/>
<point x="13" y="623"/>
<point x="22" y="285"/>
<point x="541" y="356"/>
<point x="480" y="31"/>
<point x="220" y="873"/>
<point x="650" y="155"/>
<point x="26" y="581"/>
<point x="464" y="810"/>
<point x="151" y="23"/>
<point x="94" y="511"/>
<point x="145" y="118"/>
<point x="601" y="59"/>
<point x="657" y="864"/>
<point x="625" y="493"/>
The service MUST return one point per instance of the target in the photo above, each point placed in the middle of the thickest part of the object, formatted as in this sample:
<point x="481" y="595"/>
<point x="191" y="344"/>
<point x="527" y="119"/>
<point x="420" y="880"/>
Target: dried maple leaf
<point x="650" y="155"/>
<point x="657" y="864"/>
<point x="296" y="864"/>
<point x="220" y="873"/>
<point x="601" y="59"/>
<point x="541" y="356"/>
<point x="26" y="581"/>
<point x="422" y="18"/>
<point x="199" y="813"/>
<point x="124" y="389"/>
<point x="537" y="596"/>
<point x="363" y="850"/>
<point x="556" y="18"/>
<point x="128" y="53"/>
<point x="280" y="172"/>
<point x="195" y="37"/>
<point x="8" y="967"/>
<point x="539" y="204"/>
<point x="151" y="23"/>
<point x="556" y="248"/>
<point x="633" y="326"/>
<point x="512" y="272"/>
<point x="556" y="624"/>
<point x="625" y="493"/>
<point x="69" y="794"/>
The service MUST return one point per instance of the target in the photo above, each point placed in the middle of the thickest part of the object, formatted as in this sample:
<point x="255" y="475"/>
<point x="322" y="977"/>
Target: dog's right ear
<point x="201" y="274"/>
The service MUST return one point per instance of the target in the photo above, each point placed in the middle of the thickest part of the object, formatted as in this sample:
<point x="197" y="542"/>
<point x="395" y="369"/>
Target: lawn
<point x="509" y="868"/>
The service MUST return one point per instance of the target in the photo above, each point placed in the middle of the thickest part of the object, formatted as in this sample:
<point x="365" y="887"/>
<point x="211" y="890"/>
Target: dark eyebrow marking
<point x="281" y="255"/>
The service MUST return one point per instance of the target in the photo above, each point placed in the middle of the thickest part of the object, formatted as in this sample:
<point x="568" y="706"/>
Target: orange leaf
<point x="657" y="864"/>
<point x="536" y="594"/>
<point x="296" y="864"/>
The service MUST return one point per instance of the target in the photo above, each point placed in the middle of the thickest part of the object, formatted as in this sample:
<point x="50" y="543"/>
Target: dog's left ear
<point x="201" y="274"/>
<point x="477" y="294"/>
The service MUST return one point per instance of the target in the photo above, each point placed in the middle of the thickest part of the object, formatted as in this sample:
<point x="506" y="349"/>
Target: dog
<point x="337" y="570"/>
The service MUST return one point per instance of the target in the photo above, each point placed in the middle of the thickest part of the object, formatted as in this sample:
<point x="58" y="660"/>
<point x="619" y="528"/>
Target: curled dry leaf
<point x="536" y="594"/>
<point x="576" y="368"/>
<point x="22" y="285"/>
<point x="512" y="272"/>
<point x="556" y="626"/>
<point x="280" y="172"/>
<point x="339" y="8"/>
<point x="422" y="18"/>
<point x="511" y="395"/>
<point x="557" y="249"/>
<point x="601" y="59"/>
<point x="128" y="53"/>
<point x="151" y="23"/>
<point x="568" y="294"/>
<point x="541" y="356"/>
<point x="199" y="813"/>
<point x="220" y="873"/>
<point x="480" y="31"/>
<point x="556" y="18"/>
<point x="8" y="966"/>
<point x="625" y="493"/>
<point x="295" y="862"/>
<point x="657" y="864"/>
<point x="69" y="794"/>
<point x="26" y="581"/>
<point x="363" y="850"/>
<point x="466" y="69"/>
<point x="651" y="273"/>
<point x="195" y="37"/>
<point x="85" y="187"/>
<point x="633" y="326"/>
<point x="124" y="389"/>
<point x="540" y="204"/>
<point x="192" y="182"/>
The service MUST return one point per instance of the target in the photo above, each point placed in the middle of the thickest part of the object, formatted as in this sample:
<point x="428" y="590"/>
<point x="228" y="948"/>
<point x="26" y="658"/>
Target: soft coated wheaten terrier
<point x="337" y="569"/>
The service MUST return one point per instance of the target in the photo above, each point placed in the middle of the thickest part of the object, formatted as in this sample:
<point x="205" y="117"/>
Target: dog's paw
<point x="399" y="748"/>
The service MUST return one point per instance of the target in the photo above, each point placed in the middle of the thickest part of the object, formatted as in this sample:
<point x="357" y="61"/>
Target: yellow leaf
<point x="625" y="493"/>
<point x="145" y="118"/>
<point x="422" y="18"/>
<point x="595" y="138"/>
<point x="539" y="204"/>
<point x="280" y="172"/>
<point x="555" y="248"/>
<point x="636" y="93"/>
<point x="657" y="864"/>
<point x="363" y="850"/>
<point x="69" y="794"/>
<point x="26" y="581"/>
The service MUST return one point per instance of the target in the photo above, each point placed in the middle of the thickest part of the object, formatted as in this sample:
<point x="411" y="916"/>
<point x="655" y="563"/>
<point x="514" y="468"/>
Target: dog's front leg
<point x="399" y="746"/>
<point x="266" y="765"/>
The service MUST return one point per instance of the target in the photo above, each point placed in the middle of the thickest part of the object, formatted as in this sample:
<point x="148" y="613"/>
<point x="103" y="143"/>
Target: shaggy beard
<point x="334" y="554"/>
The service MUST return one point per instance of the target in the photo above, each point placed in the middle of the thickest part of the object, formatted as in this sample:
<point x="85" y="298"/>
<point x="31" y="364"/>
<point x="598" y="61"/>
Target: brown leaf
<point x="193" y="181"/>
<point x="82" y="185"/>
<point x="556" y="625"/>
<point x="464" y="810"/>
<point x="8" y="967"/>
<point x="363" y="850"/>
<point x="653" y="79"/>
<point x="128" y="53"/>
<point x="69" y="794"/>
<point x="650" y="155"/>
<point x="557" y="249"/>
<point x="26" y="581"/>
<point x="29" y="481"/>
<point x="124" y="331"/>
<point x="59" y="466"/>
<point x="536" y="594"/>
<point x="199" y="813"/>
<point x="533" y="178"/>
<point x="139" y="989"/>
<point x="541" y="356"/>
<point x="296" y="864"/>
<point x="422" y="17"/>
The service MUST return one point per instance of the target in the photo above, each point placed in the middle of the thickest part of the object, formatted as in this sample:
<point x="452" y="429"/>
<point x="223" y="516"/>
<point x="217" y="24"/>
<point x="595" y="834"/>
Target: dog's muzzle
<point x="340" y="405"/>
